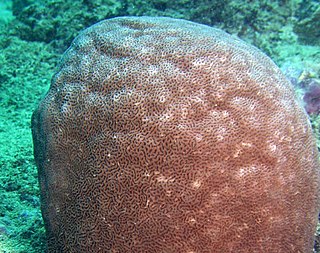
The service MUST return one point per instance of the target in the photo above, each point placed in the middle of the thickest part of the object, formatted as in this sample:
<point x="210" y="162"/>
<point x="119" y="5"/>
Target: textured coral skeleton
<point x="162" y="135"/>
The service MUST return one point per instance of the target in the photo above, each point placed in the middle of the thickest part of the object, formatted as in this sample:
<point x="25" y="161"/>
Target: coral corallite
<point x="165" y="136"/>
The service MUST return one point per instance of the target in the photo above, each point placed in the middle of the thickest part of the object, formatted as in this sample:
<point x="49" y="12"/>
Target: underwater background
<point x="34" y="35"/>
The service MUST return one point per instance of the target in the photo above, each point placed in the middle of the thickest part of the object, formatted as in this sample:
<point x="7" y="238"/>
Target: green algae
<point x="24" y="78"/>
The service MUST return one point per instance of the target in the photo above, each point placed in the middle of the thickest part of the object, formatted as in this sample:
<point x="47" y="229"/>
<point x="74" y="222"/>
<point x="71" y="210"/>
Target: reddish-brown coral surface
<point x="165" y="136"/>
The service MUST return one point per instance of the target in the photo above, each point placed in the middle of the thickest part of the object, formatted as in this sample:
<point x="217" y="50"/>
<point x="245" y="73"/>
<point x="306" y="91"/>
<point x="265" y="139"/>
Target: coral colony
<point x="163" y="135"/>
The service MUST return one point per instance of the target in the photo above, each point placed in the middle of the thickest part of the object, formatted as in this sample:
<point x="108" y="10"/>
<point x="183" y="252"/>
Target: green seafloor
<point x="34" y="34"/>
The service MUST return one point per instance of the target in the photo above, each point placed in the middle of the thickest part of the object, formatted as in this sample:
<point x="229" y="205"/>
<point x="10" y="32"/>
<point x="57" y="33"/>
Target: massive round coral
<point x="162" y="135"/>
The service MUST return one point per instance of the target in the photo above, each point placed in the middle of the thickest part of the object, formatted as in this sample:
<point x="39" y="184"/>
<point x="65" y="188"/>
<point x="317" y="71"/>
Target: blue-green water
<point x="34" y="34"/>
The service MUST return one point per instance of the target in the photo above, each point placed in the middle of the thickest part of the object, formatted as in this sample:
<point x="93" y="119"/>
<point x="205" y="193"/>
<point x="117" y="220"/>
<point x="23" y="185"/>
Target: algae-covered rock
<point x="308" y="29"/>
